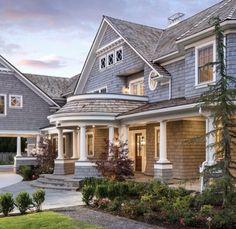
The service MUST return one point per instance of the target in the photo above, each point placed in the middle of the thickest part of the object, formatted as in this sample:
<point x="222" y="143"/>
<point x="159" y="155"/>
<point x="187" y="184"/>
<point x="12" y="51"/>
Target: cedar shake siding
<point x="109" y="36"/>
<point x="35" y="110"/>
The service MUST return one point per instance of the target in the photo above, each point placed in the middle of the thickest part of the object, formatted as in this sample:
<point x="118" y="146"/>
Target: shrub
<point x="112" y="191"/>
<point x="23" y="202"/>
<point x="134" y="208"/>
<point x="6" y="203"/>
<point x="38" y="199"/>
<point x="101" y="191"/>
<point x="88" y="193"/>
<point x="26" y="171"/>
<point x="115" y="205"/>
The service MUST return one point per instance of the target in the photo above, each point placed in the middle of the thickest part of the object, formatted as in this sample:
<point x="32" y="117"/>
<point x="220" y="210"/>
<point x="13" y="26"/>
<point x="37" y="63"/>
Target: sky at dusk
<point x="53" y="37"/>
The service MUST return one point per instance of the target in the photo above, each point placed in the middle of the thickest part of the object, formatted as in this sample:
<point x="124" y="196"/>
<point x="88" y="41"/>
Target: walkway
<point x="53" y="199"/>
<point x="105" y="220"/>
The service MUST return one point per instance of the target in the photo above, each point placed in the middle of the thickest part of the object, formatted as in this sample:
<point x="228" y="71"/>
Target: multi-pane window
<point x="15" y="101"/>
<point x="2" y="104"/>
<point x="110" y="59"/>
<point x="103" y="62"/>
<point x="205" y="66"/>
<point x="157" y="142"/>
<point x="100" y="91"/>
<point x="136" y="87"/>
<point x="119" y="54"/>
<point x="90" y="144"/>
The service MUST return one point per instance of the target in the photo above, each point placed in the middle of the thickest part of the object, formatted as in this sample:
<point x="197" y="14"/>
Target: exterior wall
<point x="35" y="110"/>
<point x="185" y="156"/>
<point x="108" y="77"/>
<point x="109" y="36"/>
<point x="100" y="139"/>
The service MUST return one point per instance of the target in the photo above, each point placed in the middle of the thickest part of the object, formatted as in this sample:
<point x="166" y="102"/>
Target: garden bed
<point x="157" y="204"/>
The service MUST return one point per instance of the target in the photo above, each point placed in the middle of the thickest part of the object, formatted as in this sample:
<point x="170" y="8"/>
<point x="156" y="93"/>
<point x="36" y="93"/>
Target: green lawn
<point x="42" y="220"/>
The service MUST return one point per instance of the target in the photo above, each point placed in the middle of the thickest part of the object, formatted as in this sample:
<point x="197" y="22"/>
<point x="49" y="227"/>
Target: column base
<point x="85" y="169"/>
<point x="63" y="167"/>
<point x="20" y="160"/>
<point x="163" y="172"/>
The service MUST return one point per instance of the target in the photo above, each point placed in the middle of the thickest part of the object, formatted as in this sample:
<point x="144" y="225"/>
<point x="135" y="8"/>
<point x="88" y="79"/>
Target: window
<point x="157" y="142"/>
<point x="3" y="109"/>
<point x="110" y="59"/>
<point x="102" y="90"/>
<point x="136" y="87"/>
<point x="205" y="56"/>
<point x="15" y="101"/>
<point x="119" y="54"/>
<point x="102" y="64"/>
<point x="90" y="144"/>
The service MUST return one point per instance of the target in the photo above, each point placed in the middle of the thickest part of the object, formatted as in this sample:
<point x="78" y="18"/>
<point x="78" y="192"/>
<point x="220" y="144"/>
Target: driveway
<point x="53" y="198"/>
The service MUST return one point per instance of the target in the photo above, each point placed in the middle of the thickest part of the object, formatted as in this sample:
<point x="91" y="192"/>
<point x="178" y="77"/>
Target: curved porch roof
<point x="96" y="107"/>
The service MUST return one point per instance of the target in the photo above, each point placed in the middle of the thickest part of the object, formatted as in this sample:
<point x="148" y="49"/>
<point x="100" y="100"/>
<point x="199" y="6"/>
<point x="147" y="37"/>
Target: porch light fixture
<point x="125" y="90"/>
<point x="143" y="142"/>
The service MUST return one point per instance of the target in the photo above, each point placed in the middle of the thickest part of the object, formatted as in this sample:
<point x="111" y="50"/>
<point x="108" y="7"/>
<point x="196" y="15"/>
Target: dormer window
<point x="205" y="57"/>
<point x="110" y="59"/>
<point x="136" y="87"/>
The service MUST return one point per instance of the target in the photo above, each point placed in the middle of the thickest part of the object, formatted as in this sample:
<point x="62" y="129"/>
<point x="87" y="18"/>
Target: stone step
<point x="52" y="182"/>
<point x="37" y="184"/>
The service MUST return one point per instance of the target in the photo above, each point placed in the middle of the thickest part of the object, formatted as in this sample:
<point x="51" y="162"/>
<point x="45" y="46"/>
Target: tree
<point x="219" y="101"/>
<point x="115" y="163"/>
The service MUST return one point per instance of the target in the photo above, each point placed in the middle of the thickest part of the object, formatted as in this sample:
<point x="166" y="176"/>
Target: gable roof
<point x="71" y="85"/>
<point x="8" y="67"/>
<point x="53" y="86"/>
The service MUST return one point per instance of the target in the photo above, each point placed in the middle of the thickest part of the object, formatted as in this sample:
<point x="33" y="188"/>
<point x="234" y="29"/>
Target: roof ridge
<point x="152" y="27"/>
<point x="196" y="25"/>
<point x="33" y="74"/>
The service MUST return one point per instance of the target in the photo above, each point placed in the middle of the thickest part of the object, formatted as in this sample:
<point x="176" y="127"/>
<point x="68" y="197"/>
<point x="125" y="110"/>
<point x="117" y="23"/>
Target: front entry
<point x="138" y="152"/>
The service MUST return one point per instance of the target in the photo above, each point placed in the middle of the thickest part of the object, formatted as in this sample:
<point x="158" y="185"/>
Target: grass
<point x="42" y="220"/>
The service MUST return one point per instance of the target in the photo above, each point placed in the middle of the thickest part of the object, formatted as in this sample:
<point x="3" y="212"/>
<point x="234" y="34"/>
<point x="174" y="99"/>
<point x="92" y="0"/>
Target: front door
<point x="138" y="152"/>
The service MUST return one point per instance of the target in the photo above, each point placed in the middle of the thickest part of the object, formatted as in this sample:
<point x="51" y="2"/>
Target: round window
<point x="152" y="80"/>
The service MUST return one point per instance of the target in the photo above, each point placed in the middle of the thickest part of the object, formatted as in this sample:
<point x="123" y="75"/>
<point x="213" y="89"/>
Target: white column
<point x="18" y="150"/>
<point x="163" y="143"/>
<point x="111" y="134"/>
<point x="60" y="144"/>
<point x="75" y="138"/>
<point x="37" y="143"/>
<point x="78" y="143"/>
<point x="210" y="140"/>
<point x="83" y="153"/>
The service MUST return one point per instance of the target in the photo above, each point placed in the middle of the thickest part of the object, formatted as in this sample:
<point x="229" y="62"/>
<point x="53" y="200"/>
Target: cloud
<point x="10" y="48"/>
<point x="47" y="62"/>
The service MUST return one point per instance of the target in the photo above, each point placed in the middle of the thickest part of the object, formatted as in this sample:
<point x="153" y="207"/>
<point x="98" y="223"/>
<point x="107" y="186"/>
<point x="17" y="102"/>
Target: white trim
<point x="89" y="133"/>
<point x="18" y="133"/>
<point x="200" y="46"/>
<point x="108" y="96"/>
<point x="22" y="158"/>
<point x="155" y="129"/>
<point x="37" y="90"/>
<point x="5" y="70"/>
<point x="165" y="56"/>
<point x="21" y="101"/>
<point x="159" y="111"/>
<point x="109" y="46"/>
<point x="5" y="106"/>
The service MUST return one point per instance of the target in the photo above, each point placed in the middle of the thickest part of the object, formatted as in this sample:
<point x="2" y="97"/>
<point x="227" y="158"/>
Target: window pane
<point x="2" y="104"/>
<point x="103" y="91"/>
<point x="137" y="88"/>
<point x="157" y="142"/>
<point x="15" y="101"/>
<point x="205" y="68"/>
<point x="102" y="62"/>
<point x="110" y="59"/>
<point x="119" y="55"/>
<point x="90" y="144"/>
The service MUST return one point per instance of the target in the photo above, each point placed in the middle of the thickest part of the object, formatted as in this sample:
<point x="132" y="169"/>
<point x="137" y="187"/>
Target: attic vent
<point x="175" y="19"/>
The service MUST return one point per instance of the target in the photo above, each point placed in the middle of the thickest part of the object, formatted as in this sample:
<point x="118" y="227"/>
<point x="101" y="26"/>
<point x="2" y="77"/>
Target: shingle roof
<point x="71" y="85"/>
<point x="116" y="106"/>
<point x="143" y="38"/>
<point x="162" y="104"/>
